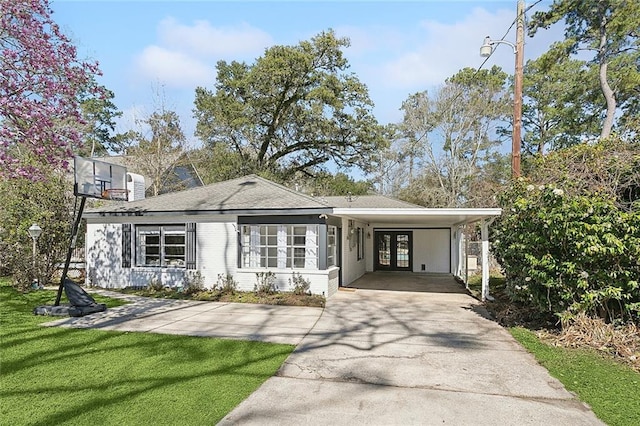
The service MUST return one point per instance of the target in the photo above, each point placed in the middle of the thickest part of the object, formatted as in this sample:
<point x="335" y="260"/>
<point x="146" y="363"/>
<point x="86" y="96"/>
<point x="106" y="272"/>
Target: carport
<point x="408" y="281"/>
<point x="415" y="241"/>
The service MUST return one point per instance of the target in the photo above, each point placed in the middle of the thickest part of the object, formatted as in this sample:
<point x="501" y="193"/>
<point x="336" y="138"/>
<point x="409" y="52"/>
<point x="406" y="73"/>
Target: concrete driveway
<point x="405" y="358"/>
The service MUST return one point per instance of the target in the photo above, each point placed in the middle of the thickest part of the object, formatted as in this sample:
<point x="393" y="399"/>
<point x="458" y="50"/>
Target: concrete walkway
<point x="241" y="321"/>
<point x="400" y="358"/>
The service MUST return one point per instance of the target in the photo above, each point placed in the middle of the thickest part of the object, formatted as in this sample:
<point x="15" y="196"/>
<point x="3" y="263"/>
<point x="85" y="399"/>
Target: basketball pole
<point x="72" y="244"/>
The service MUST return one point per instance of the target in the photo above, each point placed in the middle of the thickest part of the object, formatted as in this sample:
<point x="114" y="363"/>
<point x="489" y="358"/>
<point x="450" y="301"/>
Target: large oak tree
<point x="294" y="110"/>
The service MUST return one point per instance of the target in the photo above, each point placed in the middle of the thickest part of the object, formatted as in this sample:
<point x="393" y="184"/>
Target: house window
<point x="331" y="246"/>
<point x="280" y="246"/>
<point x="161" y="246"/>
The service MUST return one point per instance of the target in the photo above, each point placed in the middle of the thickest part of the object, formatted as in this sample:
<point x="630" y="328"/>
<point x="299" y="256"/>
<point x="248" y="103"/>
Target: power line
<point x="505" y="35"/>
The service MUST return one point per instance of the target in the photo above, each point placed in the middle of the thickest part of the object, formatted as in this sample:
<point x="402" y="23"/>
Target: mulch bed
<point x="621" y="342"/>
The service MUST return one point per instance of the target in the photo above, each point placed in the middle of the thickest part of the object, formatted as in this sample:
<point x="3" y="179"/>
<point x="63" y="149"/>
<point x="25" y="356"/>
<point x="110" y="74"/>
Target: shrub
<point x="193" y="282"/>
<point x="300" y="284"/>
<point x="265" y="283"/>
<point x="226" y="284"/>
<point x="155" y="285"/>
<point x="569" y="253"/>
<point x="22" y="203"/>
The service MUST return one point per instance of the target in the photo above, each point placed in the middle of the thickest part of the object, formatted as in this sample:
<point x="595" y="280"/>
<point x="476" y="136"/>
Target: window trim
<point x="281" y="246"/>
<point x="332" y="247"/>
<point x="163" y="230"/>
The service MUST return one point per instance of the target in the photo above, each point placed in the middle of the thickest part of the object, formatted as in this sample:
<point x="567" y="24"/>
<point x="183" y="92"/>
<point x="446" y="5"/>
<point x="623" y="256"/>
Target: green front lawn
<point x="612" y="390"/>
<point x="85" y="377"/>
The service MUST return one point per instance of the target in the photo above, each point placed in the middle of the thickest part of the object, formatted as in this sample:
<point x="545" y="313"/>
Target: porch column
<point x="460" y="238"/>
<point x="459" y="261"/>
<point x="484" y="231"/>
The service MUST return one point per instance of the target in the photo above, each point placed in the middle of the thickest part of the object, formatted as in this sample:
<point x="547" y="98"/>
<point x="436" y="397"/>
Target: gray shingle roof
<point x="368" y="202"/>
<point x="246" y="193"/>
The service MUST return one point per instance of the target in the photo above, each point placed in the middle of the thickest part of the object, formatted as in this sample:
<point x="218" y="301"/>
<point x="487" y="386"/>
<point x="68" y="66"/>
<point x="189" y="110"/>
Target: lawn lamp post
<point x="34" y="233"/>
<point x="518" y="49"/>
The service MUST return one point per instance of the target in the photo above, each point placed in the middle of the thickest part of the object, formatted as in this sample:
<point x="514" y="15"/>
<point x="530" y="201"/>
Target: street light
<point x="487" y="47"/>
<point x="34" y="232"/>
<point x="518" y="49"/>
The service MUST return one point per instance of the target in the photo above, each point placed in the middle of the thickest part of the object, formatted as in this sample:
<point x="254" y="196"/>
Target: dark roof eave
<point x="237" y="212"/>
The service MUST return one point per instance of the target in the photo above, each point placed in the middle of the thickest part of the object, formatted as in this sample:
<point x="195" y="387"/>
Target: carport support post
<point x="484" y="231"/>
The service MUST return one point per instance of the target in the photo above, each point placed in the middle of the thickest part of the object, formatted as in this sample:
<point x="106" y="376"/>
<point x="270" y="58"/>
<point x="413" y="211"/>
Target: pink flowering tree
<point x="41" y="80"/>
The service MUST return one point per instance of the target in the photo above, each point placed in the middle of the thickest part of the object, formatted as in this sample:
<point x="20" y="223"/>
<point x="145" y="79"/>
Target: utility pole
<point x="517" y="95"/>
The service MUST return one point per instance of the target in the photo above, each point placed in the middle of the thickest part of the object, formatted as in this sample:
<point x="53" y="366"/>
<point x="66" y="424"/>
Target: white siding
<point x="217" y="252"/>
<point x="321" y="282"/>
<point x="352" y="268"/>
<point x="104" y="256"/>
<point x="432" y="248"/>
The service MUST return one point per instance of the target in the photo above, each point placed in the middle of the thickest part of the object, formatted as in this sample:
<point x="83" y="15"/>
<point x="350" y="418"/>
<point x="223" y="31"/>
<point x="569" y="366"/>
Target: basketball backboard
<point x="99" y="179"/>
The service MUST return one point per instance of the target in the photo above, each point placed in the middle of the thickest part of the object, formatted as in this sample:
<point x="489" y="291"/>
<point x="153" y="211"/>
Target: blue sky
<point x="397" y="47"/>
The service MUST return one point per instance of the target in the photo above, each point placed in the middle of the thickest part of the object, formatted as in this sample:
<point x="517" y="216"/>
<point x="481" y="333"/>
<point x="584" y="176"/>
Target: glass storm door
<point x="393" y="250"/>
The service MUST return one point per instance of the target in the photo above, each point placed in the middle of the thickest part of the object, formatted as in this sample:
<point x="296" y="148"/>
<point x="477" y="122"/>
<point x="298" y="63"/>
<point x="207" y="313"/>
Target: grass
<point x="475" y="284"/>
<point x="611" y="389"/>
<point x="85" y="377"/>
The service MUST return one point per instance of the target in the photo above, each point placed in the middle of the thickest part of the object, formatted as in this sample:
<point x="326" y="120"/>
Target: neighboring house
<point x="249" y="225"/>
<point x="180" y="172"/>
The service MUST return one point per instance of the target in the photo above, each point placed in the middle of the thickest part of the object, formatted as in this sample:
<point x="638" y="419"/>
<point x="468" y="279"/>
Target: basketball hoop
<point x="115" y="194"/>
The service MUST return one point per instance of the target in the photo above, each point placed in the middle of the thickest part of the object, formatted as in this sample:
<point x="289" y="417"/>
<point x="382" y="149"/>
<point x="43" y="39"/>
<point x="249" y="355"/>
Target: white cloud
<point x="370" y="40"/>
<point x="203" y="39"/>
<point x="185" y="55"/>
<point x="395" y="62"/>
<point x="129" y="118"/>
<point x="173" y="68"/>
<point x="447" y="48"/>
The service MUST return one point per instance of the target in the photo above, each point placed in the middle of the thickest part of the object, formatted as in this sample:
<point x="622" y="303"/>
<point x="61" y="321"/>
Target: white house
<point x="250" y="225"/>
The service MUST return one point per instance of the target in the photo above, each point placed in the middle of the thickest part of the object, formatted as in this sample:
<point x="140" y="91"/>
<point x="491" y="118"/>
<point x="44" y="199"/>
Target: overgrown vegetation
<point x="53" y="375"/>
<point x="572" y="245"/>
<point x="620" y="342"/>
<point x="23" y="203"/>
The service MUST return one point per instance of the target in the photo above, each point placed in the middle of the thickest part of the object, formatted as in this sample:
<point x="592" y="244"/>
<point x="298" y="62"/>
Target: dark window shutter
<point x="126" y="245"/>
<point x="191" y="246"/>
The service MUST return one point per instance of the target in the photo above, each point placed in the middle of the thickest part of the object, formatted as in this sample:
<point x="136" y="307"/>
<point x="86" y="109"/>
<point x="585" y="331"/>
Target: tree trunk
<point x="609" y="96"/>
<point x="607" y="125"/>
